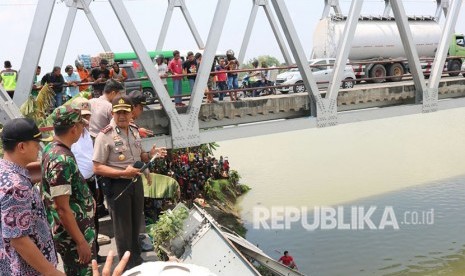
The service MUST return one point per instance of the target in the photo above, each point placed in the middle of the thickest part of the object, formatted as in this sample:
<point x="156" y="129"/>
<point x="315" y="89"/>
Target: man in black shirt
<point x="190" y="67"/>
<point x="99" y="76"/>
<point x="55" y="80"/>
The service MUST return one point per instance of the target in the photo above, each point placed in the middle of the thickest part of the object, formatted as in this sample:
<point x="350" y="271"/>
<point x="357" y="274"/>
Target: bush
<point x="168" y="226"/>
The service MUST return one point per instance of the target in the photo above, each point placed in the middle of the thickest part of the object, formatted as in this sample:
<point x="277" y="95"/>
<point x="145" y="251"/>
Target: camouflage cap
<point x="83" y="104"/>
<point x="66" y="115"/>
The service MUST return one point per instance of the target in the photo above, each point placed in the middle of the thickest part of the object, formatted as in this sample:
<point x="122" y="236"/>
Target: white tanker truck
<point x="377" y="49"/>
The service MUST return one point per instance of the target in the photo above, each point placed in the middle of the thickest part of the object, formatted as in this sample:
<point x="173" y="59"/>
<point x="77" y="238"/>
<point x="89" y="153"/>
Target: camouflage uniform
<point x="61" y="176"/>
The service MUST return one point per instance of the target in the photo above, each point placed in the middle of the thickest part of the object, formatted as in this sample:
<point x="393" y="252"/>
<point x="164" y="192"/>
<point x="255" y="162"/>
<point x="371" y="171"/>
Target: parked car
<point x="322" y="70"/>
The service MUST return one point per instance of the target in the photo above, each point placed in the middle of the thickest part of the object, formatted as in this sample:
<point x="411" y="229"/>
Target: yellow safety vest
<point x="9" y="80"/>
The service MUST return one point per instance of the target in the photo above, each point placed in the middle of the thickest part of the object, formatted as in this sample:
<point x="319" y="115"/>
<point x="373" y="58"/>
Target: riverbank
<point x="221" y="203"/>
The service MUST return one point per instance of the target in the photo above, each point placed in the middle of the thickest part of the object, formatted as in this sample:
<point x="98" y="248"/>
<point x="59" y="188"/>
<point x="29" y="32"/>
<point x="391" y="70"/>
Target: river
<point x="405" y="165"/>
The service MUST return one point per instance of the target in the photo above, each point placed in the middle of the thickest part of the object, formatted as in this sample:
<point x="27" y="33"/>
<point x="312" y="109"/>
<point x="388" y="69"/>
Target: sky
<point x="16" y="18"/>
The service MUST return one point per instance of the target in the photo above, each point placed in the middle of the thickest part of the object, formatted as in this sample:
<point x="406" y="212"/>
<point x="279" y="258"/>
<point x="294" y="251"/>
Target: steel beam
<point x="191" y="25"/>
<point x="165" y="26"/>
<point x="331" y="4"/>
<point x="184" y="127"/>
<point x="248" y="33"/>
<point x="8" y="110"/>
<point x="324" y="114"/>
<point x="142" y="54"/>
<point x="34" y="46"/>
<point x="69" y="23"/>
<point x="430" y="99"/>
<point x="280" y="126"/>
<point x="387" y="8"/>
<point x="410" y="50"/>
<point x="343" y="51"/>
<point x="277" y="34"/>
<point x="166" y="23"/>
<point x="274" y="26"/>
<point x="94" y="24"/>
<point x="208" y="58"/>
<point x="442" y="6"/>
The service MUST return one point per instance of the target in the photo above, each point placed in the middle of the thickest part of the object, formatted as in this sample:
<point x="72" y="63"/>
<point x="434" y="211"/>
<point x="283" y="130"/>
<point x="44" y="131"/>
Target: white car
<point x="322" y="70"/>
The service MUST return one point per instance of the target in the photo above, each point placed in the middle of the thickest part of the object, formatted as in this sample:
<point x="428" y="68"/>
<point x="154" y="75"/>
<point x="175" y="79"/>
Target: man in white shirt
<point x="83" y="151"/>
<point x="162" y="69"/>
<point x="72" y="79"/>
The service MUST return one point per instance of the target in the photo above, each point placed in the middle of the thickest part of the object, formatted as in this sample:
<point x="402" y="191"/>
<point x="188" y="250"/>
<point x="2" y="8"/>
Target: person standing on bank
<point x="68" y="199"/>
<point x="117" y="148"/>
<point x="26" y="245"/>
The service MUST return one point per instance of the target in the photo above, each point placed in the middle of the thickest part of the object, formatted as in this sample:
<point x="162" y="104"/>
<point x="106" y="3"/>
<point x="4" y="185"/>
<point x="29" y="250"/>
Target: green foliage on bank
<point x="221" y="188"/>
<point x="168" y="226"/>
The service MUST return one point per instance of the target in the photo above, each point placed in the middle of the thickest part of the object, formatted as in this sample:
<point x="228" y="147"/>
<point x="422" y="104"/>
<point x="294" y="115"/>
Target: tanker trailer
<point x="377" y="48"/>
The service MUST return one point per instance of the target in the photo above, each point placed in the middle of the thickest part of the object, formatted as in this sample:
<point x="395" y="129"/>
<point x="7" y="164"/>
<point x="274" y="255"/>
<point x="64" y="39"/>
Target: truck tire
<point x="454" y="65"/>
<point x="377" y="71"/>
<point x="395" y="70"/>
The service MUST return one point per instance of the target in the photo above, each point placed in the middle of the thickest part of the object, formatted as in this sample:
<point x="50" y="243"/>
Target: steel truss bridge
<point x="184" y="127"/>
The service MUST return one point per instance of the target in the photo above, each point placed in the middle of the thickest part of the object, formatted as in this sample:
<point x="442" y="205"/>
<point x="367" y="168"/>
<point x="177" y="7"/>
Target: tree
<point x="265" y="59"/>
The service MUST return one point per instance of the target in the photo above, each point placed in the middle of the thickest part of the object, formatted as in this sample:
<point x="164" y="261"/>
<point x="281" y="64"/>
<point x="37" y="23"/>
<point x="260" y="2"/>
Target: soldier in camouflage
<point x="68" y="200"/>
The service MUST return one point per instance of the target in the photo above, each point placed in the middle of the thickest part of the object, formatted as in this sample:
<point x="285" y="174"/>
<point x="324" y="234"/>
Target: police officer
<point x="117" y="148"/>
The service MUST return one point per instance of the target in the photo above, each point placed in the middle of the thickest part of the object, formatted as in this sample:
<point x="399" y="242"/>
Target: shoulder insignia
<point x="134" y="125"/>
<point x="107" y="129"/>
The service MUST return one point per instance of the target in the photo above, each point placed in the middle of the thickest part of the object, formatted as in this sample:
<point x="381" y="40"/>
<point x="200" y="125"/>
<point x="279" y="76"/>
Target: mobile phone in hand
<point x="138" y="165"/>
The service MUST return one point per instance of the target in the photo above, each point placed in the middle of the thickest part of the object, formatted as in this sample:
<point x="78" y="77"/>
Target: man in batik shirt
<point x="26" y="245"/>
<point x="68" y="200"/>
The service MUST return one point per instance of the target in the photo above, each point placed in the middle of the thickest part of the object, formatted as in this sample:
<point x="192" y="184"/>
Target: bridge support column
<point x="172" y="4"/>
<point x="410" y="49"/>
<point x="430" y="96"/>
<point x="34" y="46"/>
<point x="184" y="127"/>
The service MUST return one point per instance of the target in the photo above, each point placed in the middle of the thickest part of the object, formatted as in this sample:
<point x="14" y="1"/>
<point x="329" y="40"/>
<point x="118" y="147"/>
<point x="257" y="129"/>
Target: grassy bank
<point x="221" y="196"/>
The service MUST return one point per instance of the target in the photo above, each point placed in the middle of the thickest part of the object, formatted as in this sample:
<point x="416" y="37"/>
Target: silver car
<point x="322" y="70"/>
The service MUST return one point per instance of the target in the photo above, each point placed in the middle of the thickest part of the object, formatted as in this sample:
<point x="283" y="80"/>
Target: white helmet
<point x="168" y="269"/>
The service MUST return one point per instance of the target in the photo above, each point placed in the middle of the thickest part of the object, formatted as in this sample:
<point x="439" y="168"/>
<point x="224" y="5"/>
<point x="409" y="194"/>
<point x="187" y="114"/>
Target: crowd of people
<point x="94" y="151"/>
<point x="78" y="78"/>
<point x="93" y="159"/>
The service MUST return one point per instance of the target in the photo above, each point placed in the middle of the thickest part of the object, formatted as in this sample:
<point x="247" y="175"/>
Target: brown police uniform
<point x="116" y="149"/>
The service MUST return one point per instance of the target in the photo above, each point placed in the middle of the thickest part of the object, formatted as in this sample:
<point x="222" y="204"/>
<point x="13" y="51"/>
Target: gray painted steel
<point x="69" y="23"/>
<point x="8" y="110"/>
<point x="34" y="46"/>
<point x="90" y="16"/>
<point x="274" y="26"/>
<point x="204" y="244"/>
<point x="184" y="127"/>
<point x="331" y="4"/>
<point x="166" y="23"/>
<point x="410" y="49"/>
